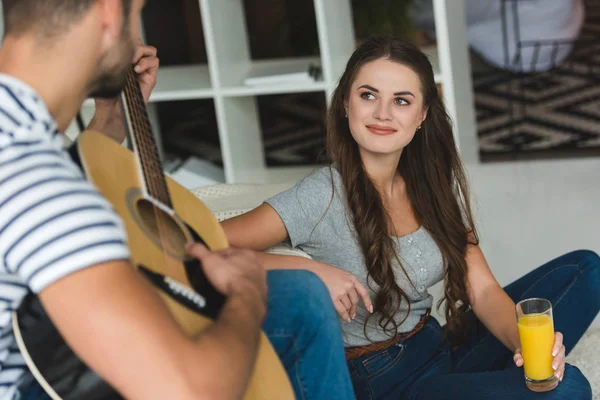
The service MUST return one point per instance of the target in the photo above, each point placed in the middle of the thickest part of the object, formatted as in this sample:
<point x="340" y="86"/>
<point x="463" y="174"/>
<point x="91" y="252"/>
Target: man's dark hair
<point x="49" y="16"/>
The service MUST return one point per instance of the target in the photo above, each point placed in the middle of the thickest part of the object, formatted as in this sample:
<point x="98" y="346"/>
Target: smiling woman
<point x="391" y="218"/>
<point x="392" y="181"/>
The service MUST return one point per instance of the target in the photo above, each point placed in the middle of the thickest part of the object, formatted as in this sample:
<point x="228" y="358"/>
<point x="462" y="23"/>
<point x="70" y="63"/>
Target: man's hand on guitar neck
<point x="107" y="118"/>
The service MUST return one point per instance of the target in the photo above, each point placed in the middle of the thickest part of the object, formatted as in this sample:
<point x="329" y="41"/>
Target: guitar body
<point x="119" y="181"/>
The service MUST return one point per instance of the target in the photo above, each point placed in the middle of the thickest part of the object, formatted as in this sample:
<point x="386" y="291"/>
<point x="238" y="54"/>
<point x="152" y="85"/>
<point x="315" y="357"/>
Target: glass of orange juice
<point x="536" y="332"/>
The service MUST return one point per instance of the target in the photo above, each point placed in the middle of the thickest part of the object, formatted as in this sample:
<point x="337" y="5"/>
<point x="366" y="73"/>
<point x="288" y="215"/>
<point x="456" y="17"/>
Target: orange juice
<point x="536" y="332"/>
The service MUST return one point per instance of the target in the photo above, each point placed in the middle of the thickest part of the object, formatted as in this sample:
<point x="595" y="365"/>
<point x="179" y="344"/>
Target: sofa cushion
<point x="230" y="200"/>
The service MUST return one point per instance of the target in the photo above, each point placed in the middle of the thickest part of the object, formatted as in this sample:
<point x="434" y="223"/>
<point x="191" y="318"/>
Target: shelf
<point x="183" y="82"/>
<point x="434" y="58"/>
<point x="274" y="89"/>
<point x="233" y="84"/>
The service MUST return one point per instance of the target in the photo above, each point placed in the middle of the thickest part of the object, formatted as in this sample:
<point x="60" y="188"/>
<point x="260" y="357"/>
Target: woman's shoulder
<point x="320" y="186"/>
<point x="321" y="179"/>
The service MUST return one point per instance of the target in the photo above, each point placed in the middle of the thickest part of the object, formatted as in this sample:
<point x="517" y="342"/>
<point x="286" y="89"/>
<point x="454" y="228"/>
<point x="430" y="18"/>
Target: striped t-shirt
<point x="52" y="221"/>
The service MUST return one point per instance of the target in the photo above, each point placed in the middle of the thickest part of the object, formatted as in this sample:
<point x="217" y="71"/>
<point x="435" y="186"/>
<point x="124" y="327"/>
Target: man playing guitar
<point x="60" y="239"/>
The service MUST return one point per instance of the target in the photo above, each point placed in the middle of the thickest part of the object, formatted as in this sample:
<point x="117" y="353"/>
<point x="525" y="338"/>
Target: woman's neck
<point x="382" y="170"/>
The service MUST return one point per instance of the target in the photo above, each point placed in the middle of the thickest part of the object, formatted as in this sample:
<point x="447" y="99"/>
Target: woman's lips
<point x="381" y="130"/>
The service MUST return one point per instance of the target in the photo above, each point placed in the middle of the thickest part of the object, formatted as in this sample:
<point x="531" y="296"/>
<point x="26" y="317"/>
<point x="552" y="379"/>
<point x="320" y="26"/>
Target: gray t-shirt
<point x="322" y="227"/>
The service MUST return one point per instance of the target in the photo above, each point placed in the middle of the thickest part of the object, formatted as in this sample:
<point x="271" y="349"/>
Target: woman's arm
<point x="263" y="228"/>
<point x="258" y="229"/>
<point x="490" y="303"/>
<point x="496" y="310"/>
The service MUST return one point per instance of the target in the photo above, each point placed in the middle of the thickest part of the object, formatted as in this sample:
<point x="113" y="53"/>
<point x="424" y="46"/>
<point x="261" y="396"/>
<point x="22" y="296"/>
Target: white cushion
<point x="230" y="200"/>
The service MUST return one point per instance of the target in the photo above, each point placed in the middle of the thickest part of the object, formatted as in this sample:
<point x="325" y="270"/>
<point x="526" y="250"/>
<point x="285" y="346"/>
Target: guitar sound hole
<point x="163" y="229"/>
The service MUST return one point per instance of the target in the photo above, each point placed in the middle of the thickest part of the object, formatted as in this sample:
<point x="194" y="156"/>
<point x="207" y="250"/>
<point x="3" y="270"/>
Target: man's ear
<point x="111" y="19"/>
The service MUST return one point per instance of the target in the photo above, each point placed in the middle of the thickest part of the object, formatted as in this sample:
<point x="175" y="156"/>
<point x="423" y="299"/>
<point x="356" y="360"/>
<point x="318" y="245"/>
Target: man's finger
<point x="147" y="64"/>
<point x="364" y="294"/>
<point x="226" y="252"/>
<point x="242" y="257"/>
<point x="144" y="51"/>
<point x="197" y="250"/>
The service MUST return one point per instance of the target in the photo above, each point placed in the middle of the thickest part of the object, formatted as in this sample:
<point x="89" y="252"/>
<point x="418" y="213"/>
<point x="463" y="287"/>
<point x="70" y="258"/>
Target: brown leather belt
<point x="359" y="351"/>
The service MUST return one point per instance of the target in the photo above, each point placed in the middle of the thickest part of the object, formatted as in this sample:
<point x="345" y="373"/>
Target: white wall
<point x="531" y="212"/>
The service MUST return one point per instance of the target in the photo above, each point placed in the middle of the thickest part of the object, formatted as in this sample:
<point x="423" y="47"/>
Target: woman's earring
<point x="419" y="128"/>
<point x="346" y="114"/>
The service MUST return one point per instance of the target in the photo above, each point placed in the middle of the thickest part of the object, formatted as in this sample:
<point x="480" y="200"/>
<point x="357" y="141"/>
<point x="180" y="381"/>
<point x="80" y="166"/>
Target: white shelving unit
<point x="235" y="104"/>
<point x="454" y="69"/>
<point x="229" y="62"/>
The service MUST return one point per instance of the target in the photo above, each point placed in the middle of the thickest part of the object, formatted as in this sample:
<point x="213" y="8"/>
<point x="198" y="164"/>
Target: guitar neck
<point x="139" y="133"/>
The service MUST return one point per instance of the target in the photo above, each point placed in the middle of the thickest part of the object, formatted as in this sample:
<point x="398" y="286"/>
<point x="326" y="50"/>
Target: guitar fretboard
<point x="147" y="149"/>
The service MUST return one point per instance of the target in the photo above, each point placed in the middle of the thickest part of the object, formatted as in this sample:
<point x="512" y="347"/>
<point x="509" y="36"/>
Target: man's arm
<point x="116" y="323"/>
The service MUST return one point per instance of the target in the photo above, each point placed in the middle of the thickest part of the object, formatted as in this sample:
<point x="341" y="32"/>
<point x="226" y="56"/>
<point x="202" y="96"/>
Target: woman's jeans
<point x="422" y="367"/>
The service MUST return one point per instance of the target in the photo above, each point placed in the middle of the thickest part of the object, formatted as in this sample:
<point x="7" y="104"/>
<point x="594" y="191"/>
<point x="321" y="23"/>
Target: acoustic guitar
<point x="160" y="217"/>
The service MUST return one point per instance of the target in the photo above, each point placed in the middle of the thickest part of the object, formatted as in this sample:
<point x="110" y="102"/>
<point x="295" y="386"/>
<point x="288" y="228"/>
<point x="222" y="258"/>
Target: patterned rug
<point x="542" y="115"/>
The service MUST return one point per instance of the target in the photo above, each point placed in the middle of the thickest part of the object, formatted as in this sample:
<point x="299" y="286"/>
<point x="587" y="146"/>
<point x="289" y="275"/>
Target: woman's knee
<point x="589" y="268"/>
<point x="592" y="262"/>
<point x="584" y="263"/>
<point x="586" y="260"/>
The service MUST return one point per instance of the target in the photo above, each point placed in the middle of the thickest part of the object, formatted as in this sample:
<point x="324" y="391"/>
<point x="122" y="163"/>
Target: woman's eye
<point x="401" y="102"/>
<point x="367" y="96"/>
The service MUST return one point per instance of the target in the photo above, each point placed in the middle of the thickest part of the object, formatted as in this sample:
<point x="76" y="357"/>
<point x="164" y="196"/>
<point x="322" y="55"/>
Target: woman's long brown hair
<point x="435" y="183"/>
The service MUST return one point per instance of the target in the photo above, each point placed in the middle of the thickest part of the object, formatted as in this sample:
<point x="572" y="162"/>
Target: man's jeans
<point x="304" y="329"/>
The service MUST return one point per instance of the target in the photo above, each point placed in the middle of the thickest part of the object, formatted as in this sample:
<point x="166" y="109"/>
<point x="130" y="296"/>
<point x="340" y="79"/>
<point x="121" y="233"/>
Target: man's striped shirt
<point x="52" y="221"/>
